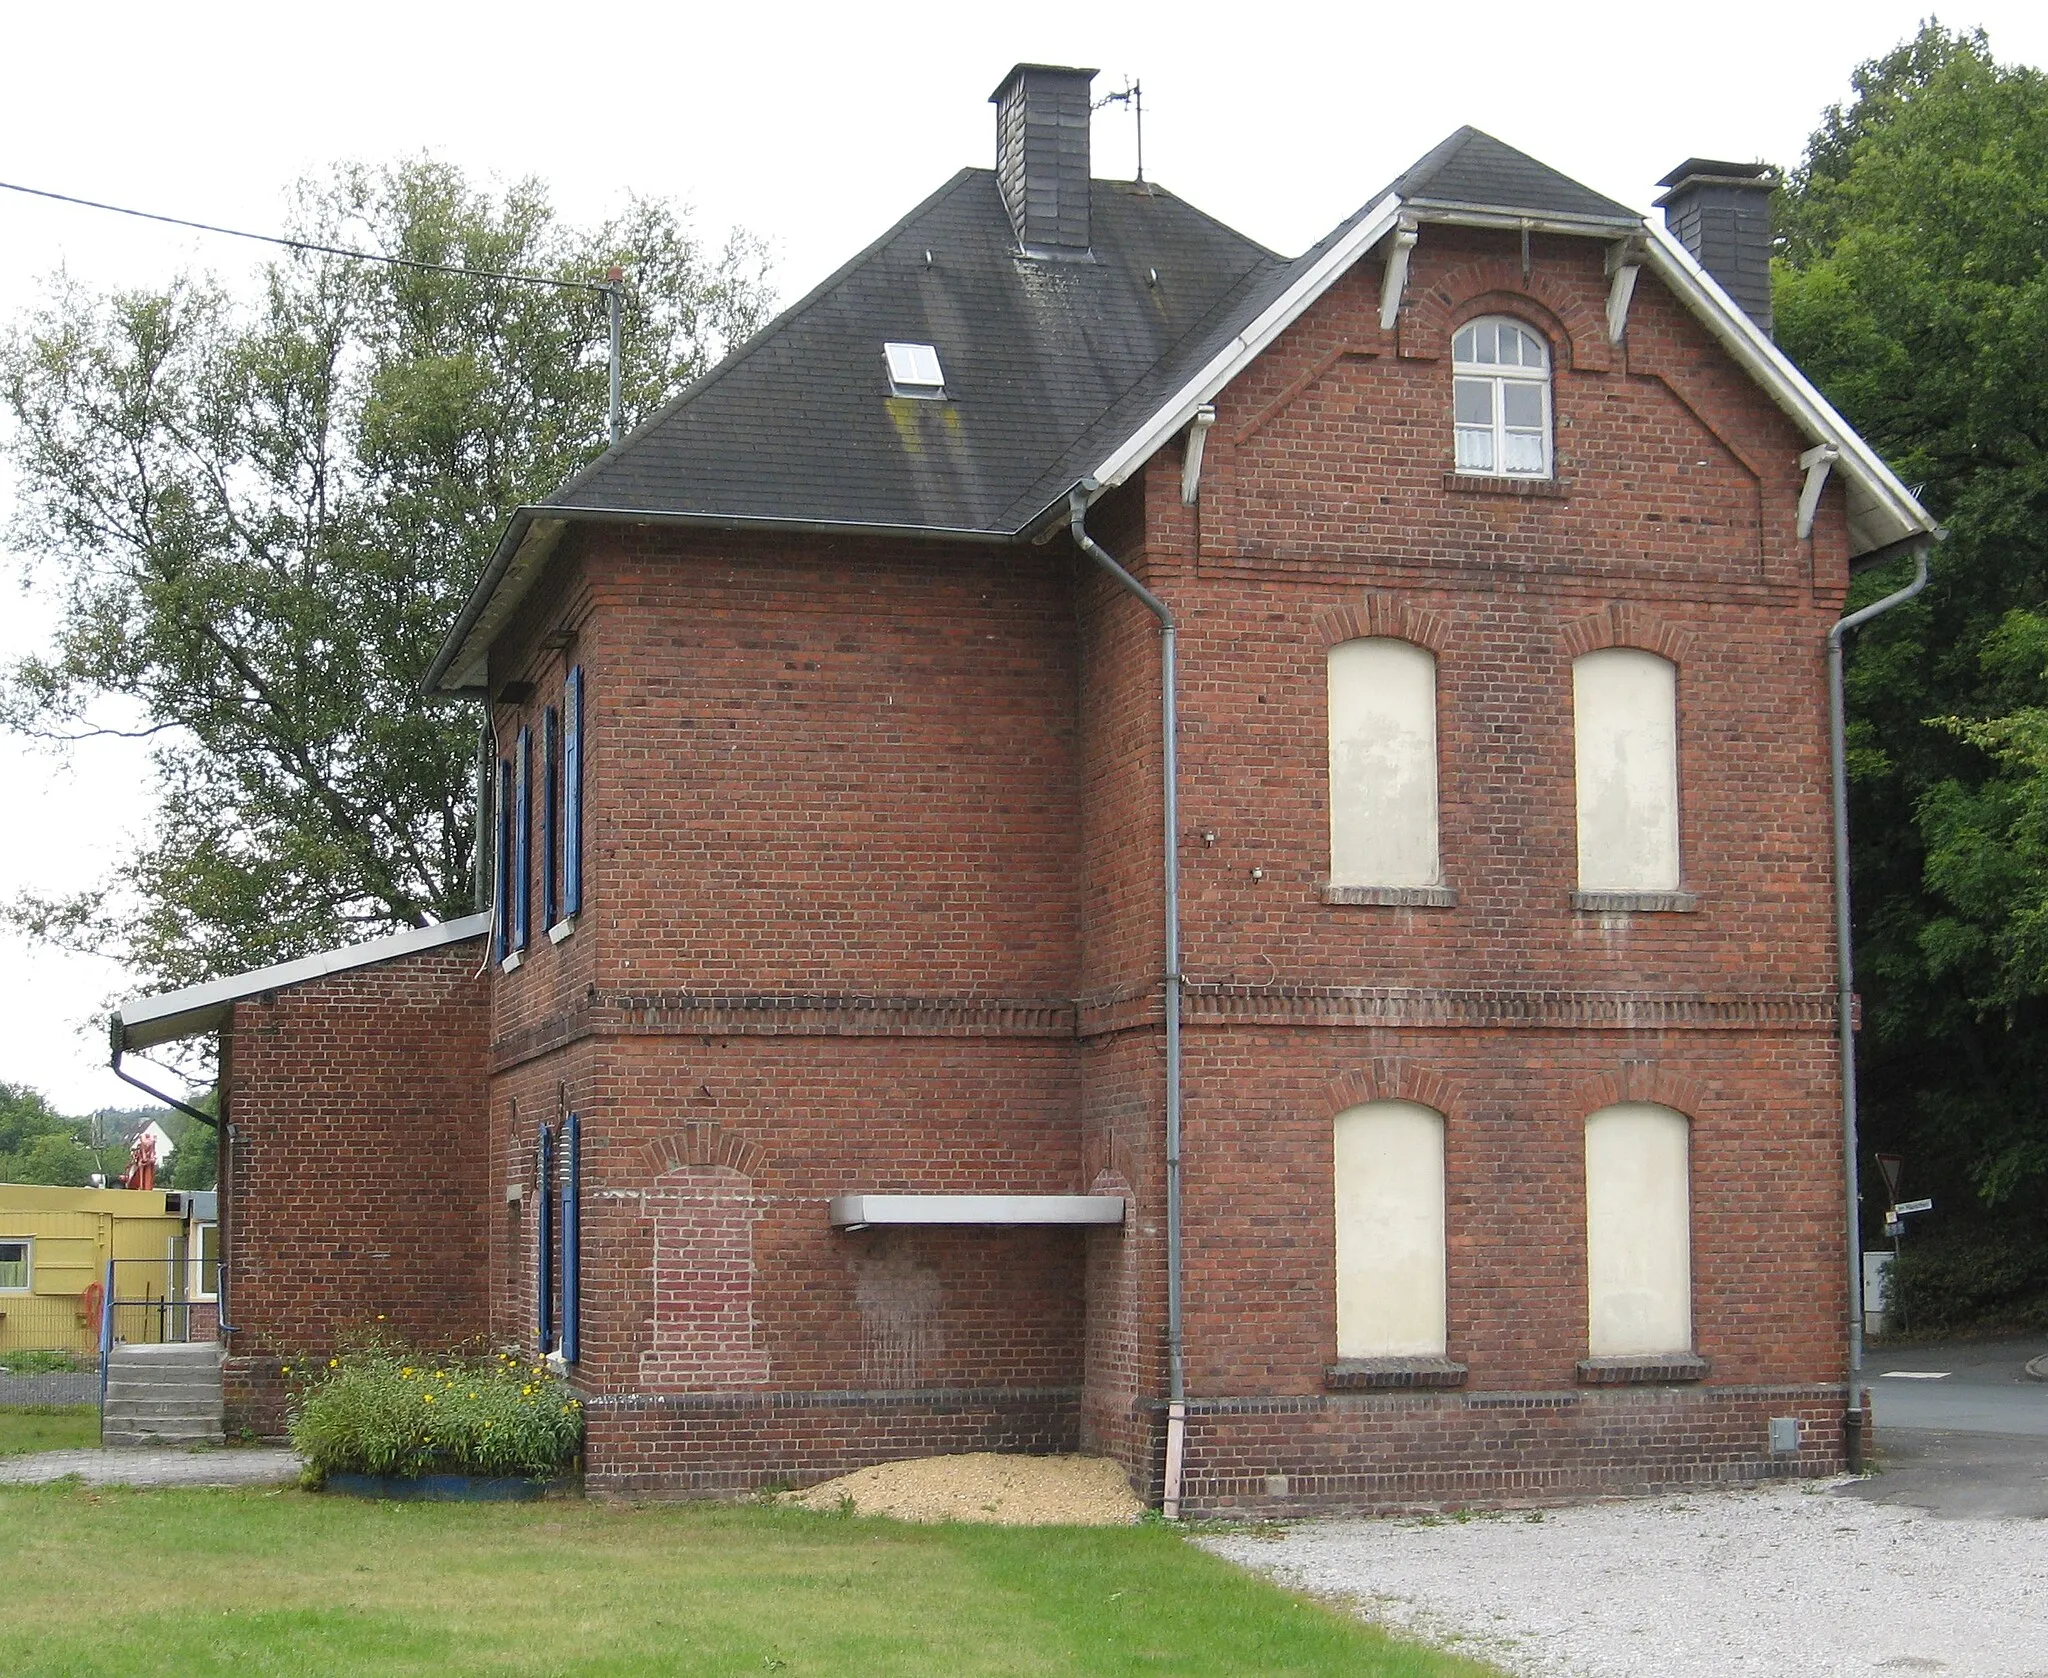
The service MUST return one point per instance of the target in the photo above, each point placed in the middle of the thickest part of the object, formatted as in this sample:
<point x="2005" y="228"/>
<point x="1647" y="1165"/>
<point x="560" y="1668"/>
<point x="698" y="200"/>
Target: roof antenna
<point x="1133" y="95"/>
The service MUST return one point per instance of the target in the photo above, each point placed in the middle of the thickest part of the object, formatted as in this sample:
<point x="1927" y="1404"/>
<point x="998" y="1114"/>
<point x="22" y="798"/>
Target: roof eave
<point x="148" y="1020"/>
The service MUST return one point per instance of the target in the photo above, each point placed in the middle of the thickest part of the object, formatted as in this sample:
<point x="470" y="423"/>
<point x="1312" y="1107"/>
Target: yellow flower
<point x="286" y="1370"/>
<point x="334" y="1363"/>
<point x="426" y="1398"/>
<point x="405" y="1374"/>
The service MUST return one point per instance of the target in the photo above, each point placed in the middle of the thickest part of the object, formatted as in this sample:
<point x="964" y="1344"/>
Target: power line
<point x="309" y="245"/>
<point x="612" y="288"/>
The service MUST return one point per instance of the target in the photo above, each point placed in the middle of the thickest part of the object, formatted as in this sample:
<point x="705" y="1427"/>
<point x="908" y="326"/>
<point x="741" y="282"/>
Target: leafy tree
<point x="1913" y="284"/>
<point x="260" y="519"/>
<point x="60" y="1160"/>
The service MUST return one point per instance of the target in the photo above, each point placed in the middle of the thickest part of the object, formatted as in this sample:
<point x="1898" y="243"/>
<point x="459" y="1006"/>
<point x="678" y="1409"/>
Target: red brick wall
<point x="355" y="1179"/>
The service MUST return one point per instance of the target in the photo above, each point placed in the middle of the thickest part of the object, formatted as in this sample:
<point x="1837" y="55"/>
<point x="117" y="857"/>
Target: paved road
<point x="1962" y="1429"/>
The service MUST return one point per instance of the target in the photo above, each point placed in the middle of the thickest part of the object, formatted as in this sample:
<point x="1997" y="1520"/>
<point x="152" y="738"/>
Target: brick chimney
<point x="1721" y="212"/>
<point x="1042" y="156"/>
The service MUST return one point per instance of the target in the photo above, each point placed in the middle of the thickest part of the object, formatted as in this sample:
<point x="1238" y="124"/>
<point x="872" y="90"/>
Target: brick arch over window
<point x="702" y="1142"/>
<point x="1495" y="285"/>
<point x="1382" y="615"/>
<point x="1626" y="624"/>
<point x="1394" y="1079"/>
<point x="1640" y="1080"/>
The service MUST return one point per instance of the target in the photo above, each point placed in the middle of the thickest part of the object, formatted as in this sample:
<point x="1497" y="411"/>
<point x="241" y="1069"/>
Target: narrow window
<point x="14" y="1267"/>
<point x="1383" y="764"/>
<point x="1390" y="1231"/>
<point x="1625" y="723"/>
<point x="544" y="1239"/>
<point x="572" y="1238"/>
<point x="522" y="840"/>
<point x="550" y="815"/>
<point x="206" y="1263"/>
<point x="1500" y="386"/>
<point x="1638" y="1231"/>
<point x="501" y="889"/>
<point x="572" y="793"/>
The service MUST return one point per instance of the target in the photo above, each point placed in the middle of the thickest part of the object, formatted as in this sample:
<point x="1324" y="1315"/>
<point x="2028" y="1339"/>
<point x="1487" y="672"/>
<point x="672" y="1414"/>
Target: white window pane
<point x="1638" y="1231"/>
<point x="1523" y="400"/>
<point x="13" y="1264"/>
<point x="1535" y="353"/>
<point x="1625" y="727"/>
<point x="1383" y="820"/>
<point x="1475" y="450"/>
<point x="1488" y="354"/>
<point x="1524" y="453"/>
<point x="1462" y="348"/>
<point x="1474" y="401"/>
<point x="1389" y="1160"/>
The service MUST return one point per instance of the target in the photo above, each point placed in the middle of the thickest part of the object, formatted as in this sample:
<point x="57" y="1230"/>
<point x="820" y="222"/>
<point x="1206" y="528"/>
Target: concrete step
<point x="163" y="1381"/>
<point x="144" y="1411"/>
<point x="130" y="1436"/>
<point x="203" y="1353"/>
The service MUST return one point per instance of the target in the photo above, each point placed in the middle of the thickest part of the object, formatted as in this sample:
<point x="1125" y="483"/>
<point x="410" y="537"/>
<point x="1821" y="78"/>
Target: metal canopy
<point x="858" y="1211"/>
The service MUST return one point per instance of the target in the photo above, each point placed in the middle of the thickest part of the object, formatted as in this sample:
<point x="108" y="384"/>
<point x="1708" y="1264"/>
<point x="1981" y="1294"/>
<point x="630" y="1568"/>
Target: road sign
<point x="1904" y="1207"/>
<point x="1891" y="1165"/>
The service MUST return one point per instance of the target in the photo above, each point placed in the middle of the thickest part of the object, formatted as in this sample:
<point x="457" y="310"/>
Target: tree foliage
<point x="1913" y="285"/>
<point x="259" y="517"/>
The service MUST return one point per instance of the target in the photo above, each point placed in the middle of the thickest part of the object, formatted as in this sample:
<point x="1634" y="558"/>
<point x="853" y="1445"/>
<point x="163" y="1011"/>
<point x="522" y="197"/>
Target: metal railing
<point x="149" y="1302"/>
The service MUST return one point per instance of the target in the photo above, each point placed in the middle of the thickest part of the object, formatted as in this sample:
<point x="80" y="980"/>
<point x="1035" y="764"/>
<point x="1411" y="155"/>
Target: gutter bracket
<point x="1191" y="462"/>
<point x="1395" y="281"/>
<point x="1816" y="463"/>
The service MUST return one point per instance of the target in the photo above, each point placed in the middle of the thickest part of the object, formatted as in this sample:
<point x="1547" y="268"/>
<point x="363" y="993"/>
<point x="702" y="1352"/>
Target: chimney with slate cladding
<point x="1721" y="212"/>
<point x="1042" y="115"/>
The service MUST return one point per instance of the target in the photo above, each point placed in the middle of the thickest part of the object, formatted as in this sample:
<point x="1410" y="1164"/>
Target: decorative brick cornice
<point x="1495" y="285"/>
<point x="700" y="1144"/>
<point x="1390" y="1078"/>
<point x="1642" y="1080"/>
<point x="1338" y="1005"/>
<point x="1380" y="614"/>
<point x="1625" y="623"/>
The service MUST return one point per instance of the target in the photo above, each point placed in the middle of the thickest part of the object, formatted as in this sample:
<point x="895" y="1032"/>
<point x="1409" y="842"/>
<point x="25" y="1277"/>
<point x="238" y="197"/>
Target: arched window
<point x="1500" y="382"/>
<point x="1625" y="727"/>
<point x="1638" y="1231"/>
<point x="1390" y="1231"/>
<point x="1383" y="764"/>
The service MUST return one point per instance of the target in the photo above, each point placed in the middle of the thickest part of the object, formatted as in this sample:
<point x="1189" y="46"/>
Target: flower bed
<point x="387" y="1412"/>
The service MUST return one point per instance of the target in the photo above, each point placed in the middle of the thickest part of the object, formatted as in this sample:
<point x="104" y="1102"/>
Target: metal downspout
<point x="1176" y="1361"/>
<point x="1844" y="952"/>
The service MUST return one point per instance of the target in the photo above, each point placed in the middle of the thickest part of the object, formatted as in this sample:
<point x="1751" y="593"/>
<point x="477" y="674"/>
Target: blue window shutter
<point x="550" y="813"/>
<point x="572" y="1236"/>
<point x="501" y="886"/>
<point x="544" y="1243"/>
<point x="572" y="793"/>
<point x="522" y="841"/>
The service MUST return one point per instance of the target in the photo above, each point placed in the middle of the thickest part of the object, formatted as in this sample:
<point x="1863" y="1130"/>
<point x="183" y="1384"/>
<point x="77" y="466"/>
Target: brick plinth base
<point x="253" y="1396"/>
<point x="1344" y="1453"/>
<point x="722" y="1444"/>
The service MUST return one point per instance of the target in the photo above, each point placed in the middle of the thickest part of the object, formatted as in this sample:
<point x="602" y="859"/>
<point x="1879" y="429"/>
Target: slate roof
<point x="1053" y="367"/>
<point x="799" y="424"/>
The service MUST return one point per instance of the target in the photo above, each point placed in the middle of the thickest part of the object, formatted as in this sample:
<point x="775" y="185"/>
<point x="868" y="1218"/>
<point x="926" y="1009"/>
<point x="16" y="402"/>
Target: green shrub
<point x="41" y="1363"/>
<point x="381" y="1409"/>
<point x="1980" y="1280"/>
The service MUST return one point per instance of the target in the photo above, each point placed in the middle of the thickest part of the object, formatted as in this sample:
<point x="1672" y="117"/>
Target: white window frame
<point x="198" y="1260"/>
<point x="1470" y="374"/>
<point x="27" y="1243"/>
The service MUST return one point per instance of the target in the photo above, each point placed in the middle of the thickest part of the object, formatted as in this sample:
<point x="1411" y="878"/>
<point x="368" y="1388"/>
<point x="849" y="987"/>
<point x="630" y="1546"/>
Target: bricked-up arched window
<point x="1638" y="1231"/>
<point x="1389" y="1159"/>
<point x="1625" y="728"/>
<point x="1500" y="384"/>
<point x="1383" y="829"/>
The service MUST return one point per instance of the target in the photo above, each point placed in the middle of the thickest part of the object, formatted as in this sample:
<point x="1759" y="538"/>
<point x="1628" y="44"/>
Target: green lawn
<point x="47" y="1428"/>
<point x="291" y="1582"/>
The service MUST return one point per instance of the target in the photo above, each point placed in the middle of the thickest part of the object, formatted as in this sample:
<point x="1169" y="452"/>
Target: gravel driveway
<point x="1789" y="1580"/>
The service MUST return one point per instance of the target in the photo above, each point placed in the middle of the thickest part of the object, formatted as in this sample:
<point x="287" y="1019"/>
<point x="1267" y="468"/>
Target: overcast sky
<point x="816" y="128"/>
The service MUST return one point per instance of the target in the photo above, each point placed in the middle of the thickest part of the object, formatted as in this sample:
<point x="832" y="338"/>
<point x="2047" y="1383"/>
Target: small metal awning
<point x="859" y="1211"/>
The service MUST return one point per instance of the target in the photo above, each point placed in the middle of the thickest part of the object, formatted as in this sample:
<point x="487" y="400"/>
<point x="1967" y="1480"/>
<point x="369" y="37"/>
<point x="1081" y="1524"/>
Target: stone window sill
<point x="1359" y="1374"/>
<point x="1528" y="489"/>
<point x="561" y="929"/>
<point x="1635" y="902"/>
<point x="1397" y="897"/>
<point x="1642" y="1371"/>
<point x="512" y="963"/>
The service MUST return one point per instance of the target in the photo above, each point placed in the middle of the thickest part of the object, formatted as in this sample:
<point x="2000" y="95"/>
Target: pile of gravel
<point x="1783" y="1581"/>
<point x="985" y="1487"/>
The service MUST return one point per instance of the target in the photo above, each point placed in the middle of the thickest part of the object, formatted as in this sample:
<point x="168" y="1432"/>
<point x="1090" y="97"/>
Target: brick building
<point x="1409" y="1078"/>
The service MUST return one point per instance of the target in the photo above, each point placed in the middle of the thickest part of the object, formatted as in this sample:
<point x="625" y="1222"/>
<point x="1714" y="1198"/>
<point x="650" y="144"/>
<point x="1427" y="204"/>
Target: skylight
<point x="914" y="370"/>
